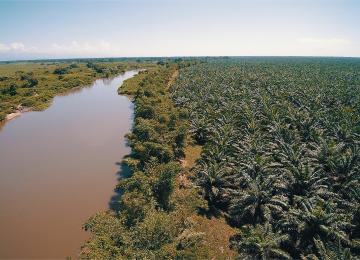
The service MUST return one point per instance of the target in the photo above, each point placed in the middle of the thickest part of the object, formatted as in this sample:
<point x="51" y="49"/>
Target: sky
<point x="131" y="28"/>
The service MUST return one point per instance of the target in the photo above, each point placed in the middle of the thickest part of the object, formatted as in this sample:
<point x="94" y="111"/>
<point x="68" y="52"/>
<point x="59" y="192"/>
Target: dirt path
<point x="173" y="78"/>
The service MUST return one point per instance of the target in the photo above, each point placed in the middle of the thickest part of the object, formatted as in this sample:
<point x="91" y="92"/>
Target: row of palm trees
<point x="281" y="156"/>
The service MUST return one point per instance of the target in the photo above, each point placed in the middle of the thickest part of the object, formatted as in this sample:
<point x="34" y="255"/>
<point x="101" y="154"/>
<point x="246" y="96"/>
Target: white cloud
<point x="4" y="47"/>
<point x="74" y="48"/>
<point x="87" y="48"/>
<point x="16" y="47"/>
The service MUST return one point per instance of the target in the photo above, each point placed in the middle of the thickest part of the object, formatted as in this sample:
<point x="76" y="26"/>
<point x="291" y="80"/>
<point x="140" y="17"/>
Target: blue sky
<point x="80" y="28"/>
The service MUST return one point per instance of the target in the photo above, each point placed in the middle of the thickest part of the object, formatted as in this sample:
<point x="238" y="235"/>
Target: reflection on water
<point x="58" y="167"/>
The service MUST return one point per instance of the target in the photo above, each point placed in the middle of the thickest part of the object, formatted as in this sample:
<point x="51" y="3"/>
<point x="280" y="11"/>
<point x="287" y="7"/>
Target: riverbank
<point x="33" y="85"/>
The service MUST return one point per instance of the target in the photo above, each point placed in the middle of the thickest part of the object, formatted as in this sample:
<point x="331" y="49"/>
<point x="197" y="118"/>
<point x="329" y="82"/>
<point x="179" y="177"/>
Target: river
<point x="60" y="166"/>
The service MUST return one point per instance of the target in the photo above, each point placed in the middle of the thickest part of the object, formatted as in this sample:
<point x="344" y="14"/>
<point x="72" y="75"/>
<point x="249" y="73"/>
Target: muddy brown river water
<point x="58" y="167"/>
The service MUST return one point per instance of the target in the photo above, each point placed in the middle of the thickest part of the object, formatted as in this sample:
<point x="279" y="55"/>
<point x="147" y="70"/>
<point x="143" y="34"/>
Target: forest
<point x="249" y="158"/>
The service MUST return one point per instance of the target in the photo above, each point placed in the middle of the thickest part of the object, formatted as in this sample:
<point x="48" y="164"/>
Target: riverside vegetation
<point x="276" y="144"/>
<point x="32" y="85"/>
<point x="157" y="216"/>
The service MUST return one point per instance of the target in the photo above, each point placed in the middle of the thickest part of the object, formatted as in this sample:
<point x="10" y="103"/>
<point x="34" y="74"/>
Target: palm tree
<point x="260" y="242"/>
<point x="315" y="219"/>
<point x="255" y="200"/>
<point x="212" y="177"/>
<point x="329" y="251"/>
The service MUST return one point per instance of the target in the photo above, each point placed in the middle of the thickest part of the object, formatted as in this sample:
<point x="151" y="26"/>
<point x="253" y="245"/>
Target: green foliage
<point x="61" y="71"/>
<point x="155" y="231"/>
<point x="261" y="242"/>
<point x="110" y="236"/>
<point x="153" y="136"/>
<point x="28" y="80"/>
<point x="164" y="183"/>
<point x="153" y="217"/>
<point x="281" y="151"/>
<point x="10" y="90"/>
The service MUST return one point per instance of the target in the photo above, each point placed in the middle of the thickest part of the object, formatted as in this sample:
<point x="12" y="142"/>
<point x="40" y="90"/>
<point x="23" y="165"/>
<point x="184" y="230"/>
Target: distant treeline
<point x="114" y="59"/>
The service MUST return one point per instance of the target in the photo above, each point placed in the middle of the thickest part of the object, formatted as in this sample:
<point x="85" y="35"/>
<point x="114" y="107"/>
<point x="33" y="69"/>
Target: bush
<point x="31" y="82"/>
<point x="60" y="71"/>
<point x="10" y="90"/>
<point x="164" y="185"/>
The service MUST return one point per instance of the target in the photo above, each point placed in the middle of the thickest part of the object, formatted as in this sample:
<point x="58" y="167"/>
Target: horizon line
<point x="176" y="56"/>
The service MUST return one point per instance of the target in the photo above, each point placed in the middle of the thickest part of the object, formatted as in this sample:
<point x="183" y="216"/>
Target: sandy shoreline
<point x="12" y="115"/>
<point x="17" y="113"/>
